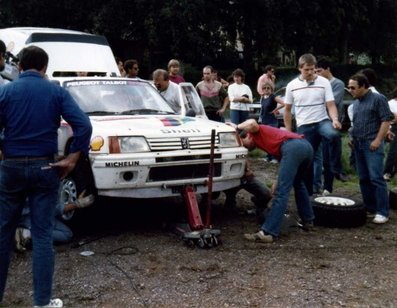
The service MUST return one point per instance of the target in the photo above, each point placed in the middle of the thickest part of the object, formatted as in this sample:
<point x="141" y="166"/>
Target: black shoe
<point x="341" y="177"/>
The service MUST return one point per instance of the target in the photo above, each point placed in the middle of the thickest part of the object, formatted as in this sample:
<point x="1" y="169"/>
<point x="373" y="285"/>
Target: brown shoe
<point x="259" y="237"/>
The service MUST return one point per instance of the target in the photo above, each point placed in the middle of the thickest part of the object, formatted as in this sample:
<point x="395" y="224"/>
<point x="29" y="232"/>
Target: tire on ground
<point x="338" y="212"/>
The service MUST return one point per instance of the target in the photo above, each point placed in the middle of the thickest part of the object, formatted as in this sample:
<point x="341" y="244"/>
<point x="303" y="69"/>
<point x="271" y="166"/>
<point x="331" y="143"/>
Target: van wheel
<point x="338" y="212"/>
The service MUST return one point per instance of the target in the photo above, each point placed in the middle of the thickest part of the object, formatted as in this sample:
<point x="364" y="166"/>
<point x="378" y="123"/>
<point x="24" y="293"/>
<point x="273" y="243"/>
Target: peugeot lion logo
<point x="185" y="143"/>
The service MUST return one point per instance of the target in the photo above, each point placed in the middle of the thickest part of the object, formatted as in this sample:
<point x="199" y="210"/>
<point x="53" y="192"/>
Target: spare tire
<point x="338" y="212"/>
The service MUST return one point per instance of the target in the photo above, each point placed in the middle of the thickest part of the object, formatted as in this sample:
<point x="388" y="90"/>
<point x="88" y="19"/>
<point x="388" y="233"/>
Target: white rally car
<point x="141" y="149"/>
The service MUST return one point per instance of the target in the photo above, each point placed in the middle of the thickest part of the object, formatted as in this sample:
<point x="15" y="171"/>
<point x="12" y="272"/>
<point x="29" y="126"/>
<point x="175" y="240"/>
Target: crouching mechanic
<point x="295" y="155"/>
<point x="261" y="194"/>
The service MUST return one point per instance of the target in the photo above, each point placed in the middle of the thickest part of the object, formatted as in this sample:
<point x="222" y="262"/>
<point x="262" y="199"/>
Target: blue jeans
<point x="238" y="116"/>
<point x="21" y="180"/>
<point x="318" y="170"/>
<point x="315" y="133"/>
<point x="296" y="158"/>
<point x="373" y="187"/>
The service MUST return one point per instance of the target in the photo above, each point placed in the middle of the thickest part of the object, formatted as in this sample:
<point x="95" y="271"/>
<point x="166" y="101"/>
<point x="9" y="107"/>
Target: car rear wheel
<point x="338" y="212"/>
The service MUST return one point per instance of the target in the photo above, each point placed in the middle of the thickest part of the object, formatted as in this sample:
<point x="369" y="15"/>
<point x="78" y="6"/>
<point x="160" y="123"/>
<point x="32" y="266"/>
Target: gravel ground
<point x="139" y="262"/>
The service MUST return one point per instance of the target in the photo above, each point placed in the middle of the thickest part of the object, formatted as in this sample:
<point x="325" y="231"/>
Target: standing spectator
<point x="31" y="108"/>
<point x="167" y="89"/>
<point x="312" y="97"/>
<point x="269" y="104"/>
<point x="295" y="155"/>
<point x="268" y="76"/>
<point x="131" y="68"/>
<point x="239" y="95"/>
<point x="213" y="95"/>
<point x="391" y="160"/>
<point x="173" y="71"/>
<point x="372" y="81"/>
<point x="120" y="65"/>
<point x="2" y="59"/>
<point x="216" y="77"/>
<point x="371" y="117"/>
<point x="338" y="89"/>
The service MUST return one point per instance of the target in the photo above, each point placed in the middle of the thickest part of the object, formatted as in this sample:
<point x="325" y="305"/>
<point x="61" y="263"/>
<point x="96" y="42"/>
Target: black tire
<point x="338" y="212"/>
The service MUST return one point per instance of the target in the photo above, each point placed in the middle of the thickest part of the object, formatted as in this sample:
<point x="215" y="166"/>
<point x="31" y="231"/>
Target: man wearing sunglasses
<point x="371" y="121"/>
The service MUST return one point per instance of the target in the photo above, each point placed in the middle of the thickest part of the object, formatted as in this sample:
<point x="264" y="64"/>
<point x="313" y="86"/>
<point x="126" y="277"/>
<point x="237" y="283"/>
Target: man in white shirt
<point x="391" y="160"/>
<point x="315" y="110"/>
<point x="168" y="89"/>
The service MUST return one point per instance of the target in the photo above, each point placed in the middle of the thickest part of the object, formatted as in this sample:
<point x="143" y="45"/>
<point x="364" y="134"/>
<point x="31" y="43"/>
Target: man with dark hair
<point x="267" y="77"/>
<point x="131" y="68"/>
<point x="31" y="108"/>
<point x="371" y="121"/>
<point x="338" y="89"/>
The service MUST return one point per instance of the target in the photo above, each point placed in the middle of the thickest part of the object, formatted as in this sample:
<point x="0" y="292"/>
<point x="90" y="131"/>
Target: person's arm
<point x="249" y="126"/>
<point x="225" y="105"/>
<point x="279" y="102"/>
<point x="259" y="85"/>
<point x="383" y="130"/>
<point x="67" y="164"/>
<point x="333" y="114"/>
<point x="288" y="117"/>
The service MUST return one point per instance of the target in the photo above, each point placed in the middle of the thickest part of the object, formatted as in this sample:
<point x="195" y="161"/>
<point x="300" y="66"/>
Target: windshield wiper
<point x="100" y="112"/>
<point x="144" y="111"/>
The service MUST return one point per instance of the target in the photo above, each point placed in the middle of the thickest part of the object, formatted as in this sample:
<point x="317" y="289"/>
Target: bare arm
<point x="333" y="113"/>
<point x="288" y="117"/>
<point x="250" y="126"/>
<point x="383" y="130"/>
<point x="280" y="102"/>
<point x="67" y="164"/>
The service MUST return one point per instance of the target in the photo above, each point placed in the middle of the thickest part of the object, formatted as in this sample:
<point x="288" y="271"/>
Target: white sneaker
<point x="387" y="176"/>
<point x="380" y="219"/>
<point x="54" y="303"/>
<point x="274" y="161"/>
<point x="326" y="193"/>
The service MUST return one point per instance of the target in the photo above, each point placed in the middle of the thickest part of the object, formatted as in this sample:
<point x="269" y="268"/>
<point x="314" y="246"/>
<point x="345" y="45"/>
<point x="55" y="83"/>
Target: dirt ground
<point x="139" y="262"/>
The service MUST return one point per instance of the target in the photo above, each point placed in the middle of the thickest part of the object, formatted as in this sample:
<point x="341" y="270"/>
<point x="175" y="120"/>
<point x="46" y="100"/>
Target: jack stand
<point x="195" y="233"/>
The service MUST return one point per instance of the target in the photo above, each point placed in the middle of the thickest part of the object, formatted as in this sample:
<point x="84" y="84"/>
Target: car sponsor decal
<point x="171" y="121"/>
<point x="121" y="164"/>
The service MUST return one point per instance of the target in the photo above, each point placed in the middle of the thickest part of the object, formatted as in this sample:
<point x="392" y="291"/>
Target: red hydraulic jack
<point x="196" y="232"/>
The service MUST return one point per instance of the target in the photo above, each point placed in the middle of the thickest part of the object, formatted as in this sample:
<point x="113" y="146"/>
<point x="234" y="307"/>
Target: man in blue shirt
<point x="371" y="121"/>
<point x="30" y="113"/>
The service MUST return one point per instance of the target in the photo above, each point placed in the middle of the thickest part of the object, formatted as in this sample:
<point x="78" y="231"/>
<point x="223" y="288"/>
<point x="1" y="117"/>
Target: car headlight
<point x="128" y="145"/>
<point x="228" y="140"/>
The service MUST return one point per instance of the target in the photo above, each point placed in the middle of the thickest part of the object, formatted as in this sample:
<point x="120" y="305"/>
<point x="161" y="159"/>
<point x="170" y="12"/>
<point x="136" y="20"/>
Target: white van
<point x="70" y="52"/>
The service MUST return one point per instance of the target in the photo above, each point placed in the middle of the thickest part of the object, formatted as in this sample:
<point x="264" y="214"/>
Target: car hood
<point x="154" y="126"/>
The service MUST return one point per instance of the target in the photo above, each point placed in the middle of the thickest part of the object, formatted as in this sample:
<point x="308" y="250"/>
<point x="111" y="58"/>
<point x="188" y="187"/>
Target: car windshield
<point x="104" y="97"/>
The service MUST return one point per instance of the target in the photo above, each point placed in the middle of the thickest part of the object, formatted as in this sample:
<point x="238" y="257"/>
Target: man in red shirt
<point x="295" y="155"/>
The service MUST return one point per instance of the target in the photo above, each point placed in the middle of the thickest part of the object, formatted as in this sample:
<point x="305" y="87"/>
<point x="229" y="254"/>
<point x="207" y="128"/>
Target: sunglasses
<point x="352" y="88"/>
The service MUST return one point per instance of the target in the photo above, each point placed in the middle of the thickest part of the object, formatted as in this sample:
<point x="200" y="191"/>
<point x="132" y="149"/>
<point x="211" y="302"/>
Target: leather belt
<point x="29" y="158"/>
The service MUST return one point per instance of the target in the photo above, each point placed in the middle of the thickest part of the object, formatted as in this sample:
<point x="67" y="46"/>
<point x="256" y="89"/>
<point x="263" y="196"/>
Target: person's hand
<point x="375" y="144"/>
<point x="249" y="174"/>
<point x="221" y="111"/>
<point x="66" y="165"/>
<point x="350" y="144"/>
<point x="336" y="124"/>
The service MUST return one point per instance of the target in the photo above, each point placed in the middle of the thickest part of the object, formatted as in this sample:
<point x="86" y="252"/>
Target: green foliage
<point x="207" y="32"/>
